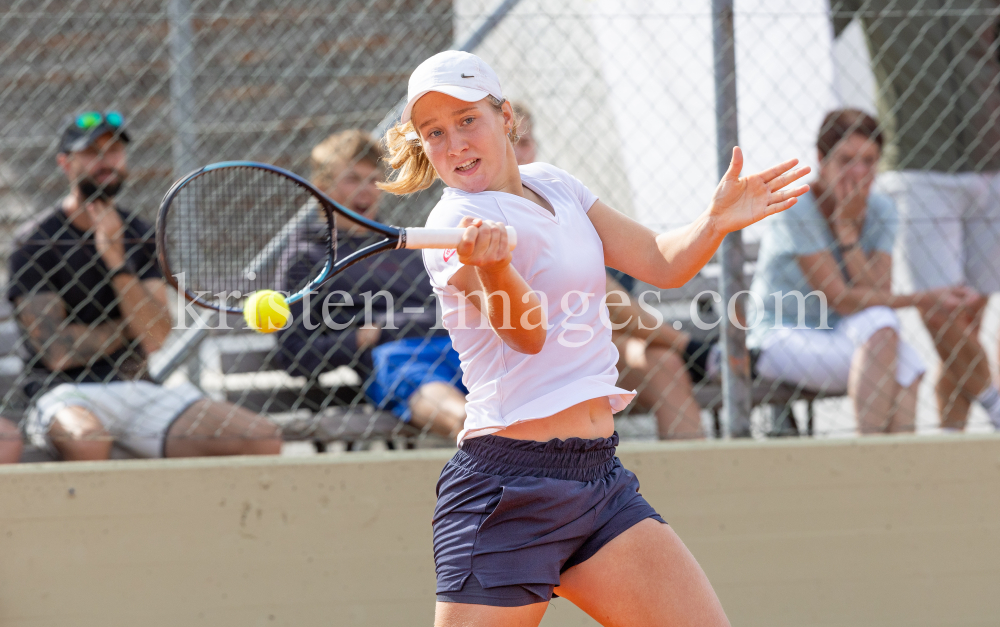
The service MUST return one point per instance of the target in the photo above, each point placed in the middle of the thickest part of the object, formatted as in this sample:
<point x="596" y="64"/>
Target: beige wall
<point x="878" y="532"/>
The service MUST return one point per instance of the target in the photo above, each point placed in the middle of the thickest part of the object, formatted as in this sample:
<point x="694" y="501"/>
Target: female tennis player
<point x="535" y="501"/>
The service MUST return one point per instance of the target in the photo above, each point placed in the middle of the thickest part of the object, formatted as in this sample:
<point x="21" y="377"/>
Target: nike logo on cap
<point x="464" y="76"/>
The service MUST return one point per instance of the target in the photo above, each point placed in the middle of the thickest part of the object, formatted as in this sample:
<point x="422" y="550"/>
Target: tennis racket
<point x="221" y="232"/>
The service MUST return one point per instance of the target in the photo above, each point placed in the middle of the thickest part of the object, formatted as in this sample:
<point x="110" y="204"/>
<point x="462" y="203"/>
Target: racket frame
<point x="396" y="236"/>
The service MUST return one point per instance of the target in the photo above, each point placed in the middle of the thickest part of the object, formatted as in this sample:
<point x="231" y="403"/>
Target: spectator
<point x="409" y="366"/>
<point x="10" y="442"/>
<point x="661" y="364"/>
<point x="937" y="74"/>
<point x="835" y="245"/>
<point x="92" y="304"/>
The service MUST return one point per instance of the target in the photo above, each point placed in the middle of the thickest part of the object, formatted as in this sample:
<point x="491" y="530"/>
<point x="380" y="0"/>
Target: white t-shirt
<point x="562" y="258"/>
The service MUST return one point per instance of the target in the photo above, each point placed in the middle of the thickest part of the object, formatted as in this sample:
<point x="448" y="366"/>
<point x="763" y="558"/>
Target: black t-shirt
<point x="52" y="255"/>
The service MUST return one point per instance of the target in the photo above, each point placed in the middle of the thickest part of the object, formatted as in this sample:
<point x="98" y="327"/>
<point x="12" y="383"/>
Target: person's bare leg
<point x="10" y="442"/>
<point x="904" y="417"/>
<point x="662" y="382"/>
<point x="644" y="577"/>
<point x="965" y="370"/>
<point x="953" y="404"/>
<point x="209" y="428"/>
<point x="78" y="435"/>
<point x="467" y="615"/>
<point x="872" y="382"/>
<point x="439" y="407"/>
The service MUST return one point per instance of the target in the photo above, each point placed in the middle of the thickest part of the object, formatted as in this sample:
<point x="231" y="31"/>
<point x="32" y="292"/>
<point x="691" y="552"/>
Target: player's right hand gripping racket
<point x="223" y="230"/>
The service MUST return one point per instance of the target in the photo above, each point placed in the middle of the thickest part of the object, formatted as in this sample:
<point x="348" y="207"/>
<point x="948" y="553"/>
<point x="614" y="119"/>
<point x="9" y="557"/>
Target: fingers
<point x="469" y="237"/>
<point x="957" y="297"/>
<point x="735" y="165"/>
<point x="484" y="243"/>
<point x="501" y="231"/>
<point x="785" y="194"/>
<point x="780" y="206"/>
<point x="970" y="297"/>
<point x="772" y="173"/>
<point x="97" y="205"/>
<point x="778" y="182"/>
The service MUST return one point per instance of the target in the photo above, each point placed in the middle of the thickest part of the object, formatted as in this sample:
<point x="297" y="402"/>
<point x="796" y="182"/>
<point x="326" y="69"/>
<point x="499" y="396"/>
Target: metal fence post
<point x="736" y="392"/>
<point x="184" y="161"/>
<point x="181" y="87"/>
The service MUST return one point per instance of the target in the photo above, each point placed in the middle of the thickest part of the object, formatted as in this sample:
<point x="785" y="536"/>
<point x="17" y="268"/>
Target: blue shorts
<point x="402" y="366"/>
<point x="512" y="515"/>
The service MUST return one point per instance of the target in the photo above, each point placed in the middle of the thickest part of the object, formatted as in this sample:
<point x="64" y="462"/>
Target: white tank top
<point x="562" y="258"/>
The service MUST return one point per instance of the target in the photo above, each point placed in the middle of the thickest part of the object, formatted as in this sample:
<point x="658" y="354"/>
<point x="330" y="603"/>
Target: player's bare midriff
<point x="587" y="420"/>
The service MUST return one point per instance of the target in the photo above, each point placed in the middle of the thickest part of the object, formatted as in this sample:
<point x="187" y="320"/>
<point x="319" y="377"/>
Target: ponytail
<point x="413" y="170"/>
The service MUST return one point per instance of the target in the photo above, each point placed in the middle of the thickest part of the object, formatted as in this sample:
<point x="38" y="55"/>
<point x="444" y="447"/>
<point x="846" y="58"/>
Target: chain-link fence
<point x="636" y="99"/>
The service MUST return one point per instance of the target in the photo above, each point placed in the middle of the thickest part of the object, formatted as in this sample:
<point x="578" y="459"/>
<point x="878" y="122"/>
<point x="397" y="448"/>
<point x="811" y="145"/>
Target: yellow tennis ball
<point x="266" y="311"/>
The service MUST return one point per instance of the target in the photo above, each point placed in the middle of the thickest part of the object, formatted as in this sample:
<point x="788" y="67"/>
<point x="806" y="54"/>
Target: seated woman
<point x="823" y="274"/>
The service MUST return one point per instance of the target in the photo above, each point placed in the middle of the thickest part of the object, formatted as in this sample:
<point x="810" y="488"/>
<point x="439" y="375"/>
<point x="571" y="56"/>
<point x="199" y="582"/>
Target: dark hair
<point x="843" y="123"/>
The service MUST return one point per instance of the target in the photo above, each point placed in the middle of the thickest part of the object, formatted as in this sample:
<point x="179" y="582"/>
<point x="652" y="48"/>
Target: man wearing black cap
<point x="92" y="303"/>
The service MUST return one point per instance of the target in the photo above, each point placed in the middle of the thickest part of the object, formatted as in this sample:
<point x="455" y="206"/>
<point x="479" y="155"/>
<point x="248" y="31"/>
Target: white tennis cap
<point x="459" y="74"/>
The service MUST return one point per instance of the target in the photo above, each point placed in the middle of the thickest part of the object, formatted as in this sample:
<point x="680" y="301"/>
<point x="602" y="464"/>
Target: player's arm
<point x="144" y="308"/>
<point x="61" y="345"/>
<point x="492" y="284"/>
<point x="671" y="259"/>
<point x="666" y="260"/>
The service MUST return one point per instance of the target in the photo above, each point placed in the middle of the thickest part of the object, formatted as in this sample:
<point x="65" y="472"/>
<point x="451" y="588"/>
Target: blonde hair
<point x="339" y="150"/>
<point x="406" y="156"/>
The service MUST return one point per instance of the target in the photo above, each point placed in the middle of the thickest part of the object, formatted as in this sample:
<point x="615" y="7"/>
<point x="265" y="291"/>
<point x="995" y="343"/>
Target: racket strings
<point x="231" y="230"/>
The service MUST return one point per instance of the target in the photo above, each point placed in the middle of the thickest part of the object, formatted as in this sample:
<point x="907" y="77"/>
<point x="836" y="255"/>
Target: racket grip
<point x="419" y="237"/>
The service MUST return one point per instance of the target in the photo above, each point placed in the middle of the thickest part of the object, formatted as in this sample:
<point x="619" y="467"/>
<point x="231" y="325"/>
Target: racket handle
<point x="419" y="237"/>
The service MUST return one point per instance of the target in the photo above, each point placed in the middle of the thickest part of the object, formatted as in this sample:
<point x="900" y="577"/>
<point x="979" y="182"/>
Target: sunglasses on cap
<point x="93" y="119"/>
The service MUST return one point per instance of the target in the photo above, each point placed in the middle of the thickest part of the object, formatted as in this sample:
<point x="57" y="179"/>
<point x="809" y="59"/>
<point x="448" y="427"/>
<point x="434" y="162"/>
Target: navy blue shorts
<point x="514" y="514"/>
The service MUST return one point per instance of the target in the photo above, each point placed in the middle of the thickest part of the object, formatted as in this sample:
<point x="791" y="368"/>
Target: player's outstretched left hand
<point x="740" y="202"/>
